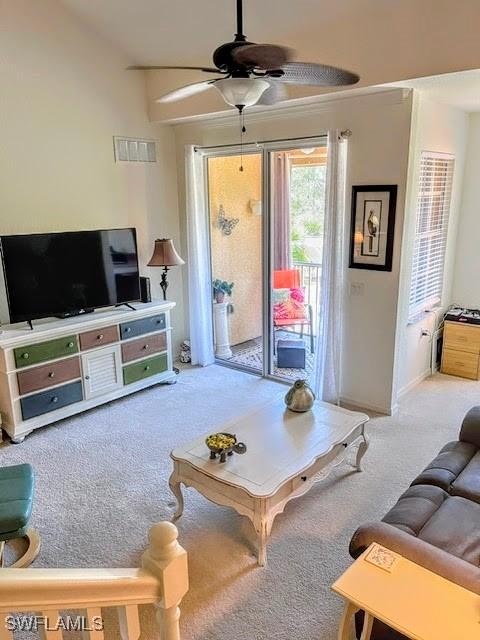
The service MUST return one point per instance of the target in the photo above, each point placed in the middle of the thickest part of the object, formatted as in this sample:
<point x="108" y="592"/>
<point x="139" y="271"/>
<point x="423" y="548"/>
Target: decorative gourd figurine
<point x="300" y="397"/>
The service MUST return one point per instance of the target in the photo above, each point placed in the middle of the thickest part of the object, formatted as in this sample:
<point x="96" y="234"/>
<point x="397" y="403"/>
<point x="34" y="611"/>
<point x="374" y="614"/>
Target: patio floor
<point x="250" y="354"/>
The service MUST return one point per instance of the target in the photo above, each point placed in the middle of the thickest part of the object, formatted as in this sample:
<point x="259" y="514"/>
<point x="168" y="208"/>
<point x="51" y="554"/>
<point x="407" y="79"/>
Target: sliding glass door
<point x="297" y="211"/>
<point x="266" y="239"/>
<point x="235" y="225"/>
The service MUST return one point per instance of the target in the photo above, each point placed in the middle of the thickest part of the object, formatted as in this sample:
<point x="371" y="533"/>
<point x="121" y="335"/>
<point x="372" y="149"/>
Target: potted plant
<point x="221" y="288"/>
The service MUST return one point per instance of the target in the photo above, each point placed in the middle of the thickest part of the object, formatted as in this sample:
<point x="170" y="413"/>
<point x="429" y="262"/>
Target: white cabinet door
<point x="102" y="371"/>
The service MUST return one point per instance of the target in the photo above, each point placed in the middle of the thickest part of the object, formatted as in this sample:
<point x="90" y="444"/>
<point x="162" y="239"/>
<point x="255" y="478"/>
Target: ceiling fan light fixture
<point x="241" y="92"/>
<point x="239" y="62"/>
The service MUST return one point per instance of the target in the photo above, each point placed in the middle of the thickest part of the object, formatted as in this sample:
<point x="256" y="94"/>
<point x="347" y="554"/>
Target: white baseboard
<point x="388" y="411"/>
<point x="392" y="410"/>
<point x="413" y="383"/>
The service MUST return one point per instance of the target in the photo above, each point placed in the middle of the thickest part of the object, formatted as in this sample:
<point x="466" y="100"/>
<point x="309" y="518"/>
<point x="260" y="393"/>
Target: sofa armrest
<point x="422" y="553"/>
<point x="470" y="430"/>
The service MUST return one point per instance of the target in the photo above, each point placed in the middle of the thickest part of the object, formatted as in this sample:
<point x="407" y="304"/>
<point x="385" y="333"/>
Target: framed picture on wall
<point x="372" y="226"/>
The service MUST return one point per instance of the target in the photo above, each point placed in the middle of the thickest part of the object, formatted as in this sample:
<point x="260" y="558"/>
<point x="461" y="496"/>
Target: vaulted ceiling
<point x="187" y="31"/>
<point x="382" y="40"/>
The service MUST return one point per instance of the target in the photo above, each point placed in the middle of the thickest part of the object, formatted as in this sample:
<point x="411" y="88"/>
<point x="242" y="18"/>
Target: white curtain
<point x="330" y="308"/>
<point x="199" y="280"/>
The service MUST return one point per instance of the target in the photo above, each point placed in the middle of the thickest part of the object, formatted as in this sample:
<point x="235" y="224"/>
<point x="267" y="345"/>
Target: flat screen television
<point x="62" y="274"/>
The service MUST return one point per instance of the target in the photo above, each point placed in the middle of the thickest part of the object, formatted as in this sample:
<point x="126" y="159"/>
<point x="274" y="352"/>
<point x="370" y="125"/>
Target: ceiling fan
<point x="255" y="73"/>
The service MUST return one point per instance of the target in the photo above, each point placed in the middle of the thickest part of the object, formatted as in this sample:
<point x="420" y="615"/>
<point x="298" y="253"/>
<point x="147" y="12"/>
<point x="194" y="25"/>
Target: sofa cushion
<point x="467" y="485"/>
<point x="415" y="507"/>
<point x="449" y="463"/>
<point x="470" y="430"/>
<point x="455" y="528"/>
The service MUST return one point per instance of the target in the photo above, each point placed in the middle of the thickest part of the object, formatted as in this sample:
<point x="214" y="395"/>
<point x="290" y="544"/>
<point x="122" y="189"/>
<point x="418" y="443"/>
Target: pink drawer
<point x="48" y="375"/>
<point x="142" y="347"/>
<point x="98" y="337"/>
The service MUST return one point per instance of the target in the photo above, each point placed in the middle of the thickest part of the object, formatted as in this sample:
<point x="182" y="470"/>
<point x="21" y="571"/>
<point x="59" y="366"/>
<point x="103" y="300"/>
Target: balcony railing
<point x="310" y="280"/>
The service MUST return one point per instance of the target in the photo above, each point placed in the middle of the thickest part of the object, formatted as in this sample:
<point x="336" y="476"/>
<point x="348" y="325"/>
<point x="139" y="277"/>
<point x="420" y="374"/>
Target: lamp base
<point x="164" y="282"/>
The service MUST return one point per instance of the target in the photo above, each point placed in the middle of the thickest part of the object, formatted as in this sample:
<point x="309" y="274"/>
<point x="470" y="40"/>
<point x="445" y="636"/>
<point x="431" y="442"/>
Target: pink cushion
<point x="290" y="321"/>
<point x="288" y="305"/>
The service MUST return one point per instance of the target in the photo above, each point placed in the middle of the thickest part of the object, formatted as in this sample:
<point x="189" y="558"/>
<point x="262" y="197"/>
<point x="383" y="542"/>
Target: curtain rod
<point x="344" y="134"/>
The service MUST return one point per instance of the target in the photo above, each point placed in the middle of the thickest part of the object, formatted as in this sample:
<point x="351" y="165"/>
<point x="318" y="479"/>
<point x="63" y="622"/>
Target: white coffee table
<point x="286" y="454"/>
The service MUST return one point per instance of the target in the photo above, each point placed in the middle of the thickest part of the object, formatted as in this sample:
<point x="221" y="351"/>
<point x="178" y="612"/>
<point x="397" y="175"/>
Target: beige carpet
<point x="102" y="480"/>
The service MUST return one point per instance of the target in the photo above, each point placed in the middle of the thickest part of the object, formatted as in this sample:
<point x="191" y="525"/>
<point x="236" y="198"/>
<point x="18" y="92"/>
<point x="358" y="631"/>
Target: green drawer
<point x="145" y="369"/>
<point x="43" y="351"/>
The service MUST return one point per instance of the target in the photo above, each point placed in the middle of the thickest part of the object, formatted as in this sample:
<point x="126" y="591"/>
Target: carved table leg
<point x="263" y="526"/>
<point x="362" y="450"/>
<point x="344" y="630"/>
<point x="262" y="543"/>
<point x="176" y="489"/>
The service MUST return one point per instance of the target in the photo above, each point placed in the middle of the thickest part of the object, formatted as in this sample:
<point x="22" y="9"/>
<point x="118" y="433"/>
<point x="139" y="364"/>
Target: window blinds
<point x="433" y="207"/>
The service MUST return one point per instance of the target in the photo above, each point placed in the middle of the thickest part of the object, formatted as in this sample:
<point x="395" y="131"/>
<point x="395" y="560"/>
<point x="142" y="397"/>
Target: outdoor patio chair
<point x="289" y="307"/>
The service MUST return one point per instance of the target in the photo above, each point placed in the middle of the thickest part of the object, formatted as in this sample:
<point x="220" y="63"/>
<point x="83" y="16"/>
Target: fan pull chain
<point x="243" y="130"/>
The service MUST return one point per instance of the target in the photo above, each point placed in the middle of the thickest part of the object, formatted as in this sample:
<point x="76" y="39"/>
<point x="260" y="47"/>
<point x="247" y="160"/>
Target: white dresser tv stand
<point x="63" y="367"/>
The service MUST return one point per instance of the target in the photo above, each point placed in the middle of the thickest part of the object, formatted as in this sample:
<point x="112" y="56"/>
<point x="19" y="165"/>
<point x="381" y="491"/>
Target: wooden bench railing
<point x="32" y="599"/>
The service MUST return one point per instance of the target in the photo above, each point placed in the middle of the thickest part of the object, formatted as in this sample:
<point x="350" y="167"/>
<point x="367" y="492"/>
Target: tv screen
<point x="58" y="274"/>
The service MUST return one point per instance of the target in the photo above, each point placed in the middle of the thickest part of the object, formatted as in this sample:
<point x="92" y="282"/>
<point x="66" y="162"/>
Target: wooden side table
<point x="461" y="350"/>
<point x="408" y="598"/>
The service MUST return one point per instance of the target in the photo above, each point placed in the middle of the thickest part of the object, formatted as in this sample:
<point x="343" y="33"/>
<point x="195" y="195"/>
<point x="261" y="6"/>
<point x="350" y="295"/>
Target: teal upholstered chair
<point x="16" y="500"/>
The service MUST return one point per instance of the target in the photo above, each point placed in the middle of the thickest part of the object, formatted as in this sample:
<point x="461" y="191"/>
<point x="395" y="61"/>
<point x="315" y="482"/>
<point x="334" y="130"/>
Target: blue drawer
<point x="144" y="325"/>
<point x="51" y="400"/>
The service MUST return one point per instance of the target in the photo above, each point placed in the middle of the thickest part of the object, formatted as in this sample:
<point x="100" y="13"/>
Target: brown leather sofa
<point x="436" y="522"/>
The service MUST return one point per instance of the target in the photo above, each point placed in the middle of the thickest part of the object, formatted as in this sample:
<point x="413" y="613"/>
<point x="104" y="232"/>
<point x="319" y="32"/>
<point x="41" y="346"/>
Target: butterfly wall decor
<point x="226" y="225"/>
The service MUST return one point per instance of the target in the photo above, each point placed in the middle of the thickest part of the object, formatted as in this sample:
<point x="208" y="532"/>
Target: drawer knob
<point x="25" y="356"/>
<point x="70" y="345"/>
<point x="100" y="336"/>
<point x="304" y="478"/>
<point x="128" y="329"/>
<point x="159" y="322"/>
<point x="55" y="399"/>
<point x="51" y="374"/>
<point x="87" y="377"/>
<point x="145" y="346"/>
<point x="147" y="368"/>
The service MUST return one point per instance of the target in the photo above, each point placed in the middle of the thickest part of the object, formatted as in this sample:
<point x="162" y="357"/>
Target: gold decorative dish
<point x="224" y="444"/>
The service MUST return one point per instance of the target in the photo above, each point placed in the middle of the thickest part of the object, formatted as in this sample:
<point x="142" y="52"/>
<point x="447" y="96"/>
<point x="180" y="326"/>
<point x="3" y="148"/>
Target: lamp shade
<point x="164" y="254"/>
<point x="241" y="92"/>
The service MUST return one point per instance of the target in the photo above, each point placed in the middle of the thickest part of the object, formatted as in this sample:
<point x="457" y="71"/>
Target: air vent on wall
<point x="134" y="150"/>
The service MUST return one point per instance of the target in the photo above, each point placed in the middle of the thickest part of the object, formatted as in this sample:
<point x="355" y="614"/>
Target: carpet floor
<point x="102" y="480"/>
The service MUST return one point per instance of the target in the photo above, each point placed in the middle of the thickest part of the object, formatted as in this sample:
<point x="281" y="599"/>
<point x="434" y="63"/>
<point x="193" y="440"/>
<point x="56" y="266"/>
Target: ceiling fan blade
<point x="275" y="93"/>
<point x="186" y="91"/>
<point x="155" y="67"/>
<point x="310" y="73"/>
<point x="262" y="56"/>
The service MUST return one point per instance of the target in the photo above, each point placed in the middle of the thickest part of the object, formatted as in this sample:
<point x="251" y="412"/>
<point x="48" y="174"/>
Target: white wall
<point x="441" y="128"/>
<point x="65" y="94"/>
<point x="378" y="153"/>
<point x="466" y="283"/>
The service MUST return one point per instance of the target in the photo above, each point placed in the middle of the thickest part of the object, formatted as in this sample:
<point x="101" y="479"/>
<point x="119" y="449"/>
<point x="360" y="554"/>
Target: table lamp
<point x="164" y="255"/>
